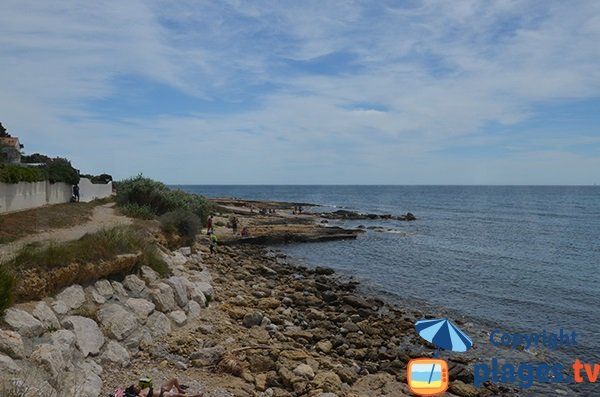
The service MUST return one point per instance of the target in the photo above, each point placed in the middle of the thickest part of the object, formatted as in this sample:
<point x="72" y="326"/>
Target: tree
<point x="3" y="133"/>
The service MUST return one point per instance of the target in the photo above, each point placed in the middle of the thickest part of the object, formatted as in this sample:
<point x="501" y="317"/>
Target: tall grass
<point x="91" y="257"/>
<point x="102" y="245"/>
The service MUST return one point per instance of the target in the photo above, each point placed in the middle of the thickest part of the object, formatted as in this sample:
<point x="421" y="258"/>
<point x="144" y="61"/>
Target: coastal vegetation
<point x="179" y="212"/>
<point x="54" y="170"/>
<point x="183" y="222"/>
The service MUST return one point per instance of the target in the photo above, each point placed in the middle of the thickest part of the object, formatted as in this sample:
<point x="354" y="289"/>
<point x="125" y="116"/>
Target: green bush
<point x="7" y="285"/>
<point x="146" y="192"/>
<point x="16" y="174"/>
<point x="60" y="170"/>
<point x="183" y="222"/>
<point x="135" y="210"/>
<point x="101" y="179"/>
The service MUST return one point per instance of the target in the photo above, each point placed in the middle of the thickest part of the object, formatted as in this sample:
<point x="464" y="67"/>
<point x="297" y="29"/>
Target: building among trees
<point x="10" y="147"/>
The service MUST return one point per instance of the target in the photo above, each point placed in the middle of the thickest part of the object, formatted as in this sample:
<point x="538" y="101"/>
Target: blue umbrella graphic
<point x="444" y="335"/>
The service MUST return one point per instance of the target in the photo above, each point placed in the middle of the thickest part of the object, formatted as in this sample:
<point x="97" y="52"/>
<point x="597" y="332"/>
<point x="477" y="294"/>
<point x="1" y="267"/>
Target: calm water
<point x="521" y="258"/>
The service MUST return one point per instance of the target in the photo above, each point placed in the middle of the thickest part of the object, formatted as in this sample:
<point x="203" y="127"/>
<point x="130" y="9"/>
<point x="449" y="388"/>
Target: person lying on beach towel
<point x="171" y="388"/>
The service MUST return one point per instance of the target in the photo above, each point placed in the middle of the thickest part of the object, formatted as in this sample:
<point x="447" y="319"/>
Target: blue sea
<point x="516" y="258"/>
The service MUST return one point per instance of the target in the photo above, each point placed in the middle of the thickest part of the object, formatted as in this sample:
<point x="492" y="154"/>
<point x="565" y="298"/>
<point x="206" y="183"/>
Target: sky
<point x="308" y="92"/>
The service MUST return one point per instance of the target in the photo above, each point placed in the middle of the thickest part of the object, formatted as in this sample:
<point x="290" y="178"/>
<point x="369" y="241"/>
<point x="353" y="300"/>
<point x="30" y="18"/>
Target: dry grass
<point x="41" y="270"/>
<point x="20" y="224"/>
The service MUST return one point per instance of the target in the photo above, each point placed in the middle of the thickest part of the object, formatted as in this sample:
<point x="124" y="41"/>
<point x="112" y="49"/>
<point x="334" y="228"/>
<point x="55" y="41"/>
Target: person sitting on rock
<point x="171" y="388"/>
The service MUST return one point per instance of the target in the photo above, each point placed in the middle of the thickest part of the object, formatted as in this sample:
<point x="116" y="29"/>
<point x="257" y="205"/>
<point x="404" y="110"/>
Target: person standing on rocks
<point x="213" y="243"/>
<point x="209" y="225"/>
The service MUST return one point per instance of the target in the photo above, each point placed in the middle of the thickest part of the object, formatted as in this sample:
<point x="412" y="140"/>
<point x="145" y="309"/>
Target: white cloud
<point x="437" y="73"/>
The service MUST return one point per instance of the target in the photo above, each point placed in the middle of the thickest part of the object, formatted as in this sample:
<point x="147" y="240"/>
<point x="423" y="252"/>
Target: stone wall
<point x="59" y="345"/>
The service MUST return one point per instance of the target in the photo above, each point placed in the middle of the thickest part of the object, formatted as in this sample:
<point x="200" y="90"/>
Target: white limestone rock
<point x="95" y="296"/>
<point x="135" y="285"/>
<point x="89" y="338"/>
<point x="44" y="313"/>
<point x="119" y="289"/>
<point x="8" y="365"/>
<point x="142" y="308"/>
<point x="158" y="324"/>
<point x="193" y="310"/>
<point x="149" y="275"/>
<point x="178" y="317"/>
<point x="118" y="322"/>
<point x="115" y="353"/>
<point x="11" y="343"/>
<point x="59" y="307"/>
<point x="72" y="296"/>
<point x="163" y="297"/>
<point x="179" y="289"/>
<point x="104" y="288"/>
<point x="23" y="322"/>
<point x="50" y="358"/>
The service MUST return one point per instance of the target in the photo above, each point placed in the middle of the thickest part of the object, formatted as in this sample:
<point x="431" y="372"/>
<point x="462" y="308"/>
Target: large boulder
<point x="23" y="322"/>
<point x="50" y="358"/>
<point x="158" y="324"/>
<point x="73" y="297"/>
<point x="135" y="285"/>
<point x="179" y="289"/>
<point x="163" y="297"/>
<point x="149" y="275"/>
<point x="118" y="322"/>
<point x="95" y="296"/>
<point x="65" y="341"/>
<point x="115" y="353"/>
<point x="46" y="316"/>
<point x="141" y="307"/>
<point x="11" y="343"/>
<point x="8" y="365"/>
<point x="104" y="288"/>
<point x="89" y="338"/>
<point x="83" y="382"/>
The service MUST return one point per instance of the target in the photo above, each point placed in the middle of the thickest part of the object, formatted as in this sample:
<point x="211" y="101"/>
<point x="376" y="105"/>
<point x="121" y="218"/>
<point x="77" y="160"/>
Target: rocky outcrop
<point x="351" y="215"/>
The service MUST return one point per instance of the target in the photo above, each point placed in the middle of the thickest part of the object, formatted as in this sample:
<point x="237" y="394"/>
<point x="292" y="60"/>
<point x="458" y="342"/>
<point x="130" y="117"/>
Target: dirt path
<point x="104" y="217"/>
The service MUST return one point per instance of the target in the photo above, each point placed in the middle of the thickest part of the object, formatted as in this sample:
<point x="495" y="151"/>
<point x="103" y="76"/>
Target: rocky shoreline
<point x="246" y="321"/>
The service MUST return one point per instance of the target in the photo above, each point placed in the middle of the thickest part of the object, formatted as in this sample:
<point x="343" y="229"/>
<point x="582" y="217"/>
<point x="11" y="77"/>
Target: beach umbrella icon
<point x="443" y="334"/>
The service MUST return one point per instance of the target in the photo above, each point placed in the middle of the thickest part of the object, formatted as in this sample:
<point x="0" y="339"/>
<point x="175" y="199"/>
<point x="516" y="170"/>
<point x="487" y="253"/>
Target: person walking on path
<point x="76" y="193"/>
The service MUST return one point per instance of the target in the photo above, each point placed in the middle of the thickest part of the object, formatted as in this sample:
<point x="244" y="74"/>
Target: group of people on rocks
<point x="233" y="224"/>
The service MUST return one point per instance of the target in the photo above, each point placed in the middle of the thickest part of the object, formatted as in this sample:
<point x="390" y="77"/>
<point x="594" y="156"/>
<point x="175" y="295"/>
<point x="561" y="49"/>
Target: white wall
<point x="21" y="196"/>
<point x="25" y="195"/>
<point x="89" y="191"/>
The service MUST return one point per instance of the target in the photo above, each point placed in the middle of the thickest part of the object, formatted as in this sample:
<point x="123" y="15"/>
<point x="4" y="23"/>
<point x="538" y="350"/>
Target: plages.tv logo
<point x="429" y="376"/>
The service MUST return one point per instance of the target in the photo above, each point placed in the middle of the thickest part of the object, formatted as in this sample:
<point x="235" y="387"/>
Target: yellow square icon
<point x="427" y="376"/>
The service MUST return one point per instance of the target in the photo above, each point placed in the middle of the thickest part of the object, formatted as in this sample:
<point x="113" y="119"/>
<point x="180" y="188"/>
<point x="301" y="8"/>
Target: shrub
<point x="7" y="285"/>
<point x="101" y="179"/>
<point x="60" y="170"/>
<point x="144" y="192"/>
<point x="16" y="174"/>
<point x="135" y="210"/>
<point x="184" y="222"/>
<point x="159" y="198"/>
